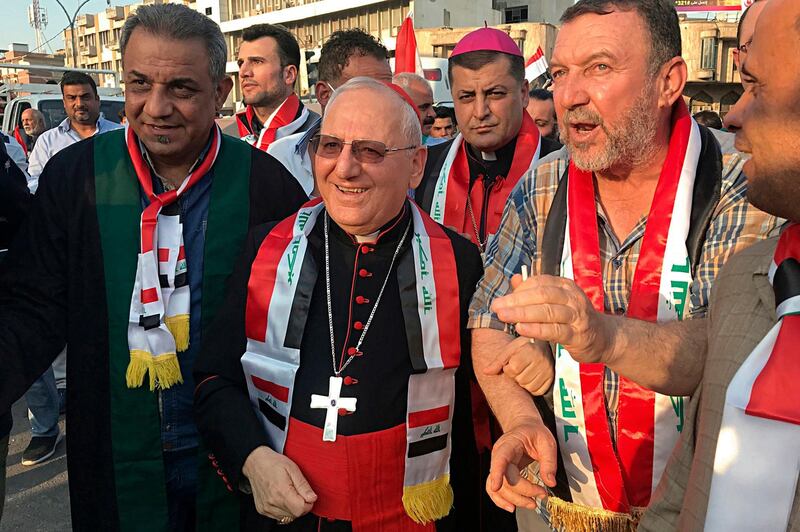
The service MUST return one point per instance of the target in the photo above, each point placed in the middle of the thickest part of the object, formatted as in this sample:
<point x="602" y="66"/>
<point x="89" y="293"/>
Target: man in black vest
<point x="640" y="210"/>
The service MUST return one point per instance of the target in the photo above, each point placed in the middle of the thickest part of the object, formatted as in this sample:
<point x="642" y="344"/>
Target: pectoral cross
<point x="333" y="403"/>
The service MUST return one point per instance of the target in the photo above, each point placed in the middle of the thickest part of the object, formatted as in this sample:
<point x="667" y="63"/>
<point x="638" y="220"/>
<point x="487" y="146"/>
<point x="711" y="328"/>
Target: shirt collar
<point x="146" y="157"/>
<point x="65" y="126"/>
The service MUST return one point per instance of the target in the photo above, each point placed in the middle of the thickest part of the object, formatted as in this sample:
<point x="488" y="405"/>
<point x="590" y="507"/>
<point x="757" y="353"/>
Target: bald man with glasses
<point x="336" y="388"/>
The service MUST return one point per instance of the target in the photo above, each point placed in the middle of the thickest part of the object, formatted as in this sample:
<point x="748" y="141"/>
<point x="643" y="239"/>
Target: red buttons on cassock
<point x="351" y="351"/>
<point x="358" y="326"/>
<point x="348" y="380"/>
<point x="364" y="273"/>
<point x="343" y="412"/>
<point x="361" y="300"/>
<point x="365" y="249"/>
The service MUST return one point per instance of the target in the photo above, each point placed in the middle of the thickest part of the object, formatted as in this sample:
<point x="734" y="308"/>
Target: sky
<point x="14" y="26"/>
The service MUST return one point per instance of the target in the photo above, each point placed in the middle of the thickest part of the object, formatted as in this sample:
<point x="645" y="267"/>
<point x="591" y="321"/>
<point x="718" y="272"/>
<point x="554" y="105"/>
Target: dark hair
<point x="480" y="58"/>
<point x="741" y="23"/>
<point x="709" y="119"/>
<point x="442" y="111"/>
<point x="72" y="77"/>
<point x="659" y="16"/>
<point x="181" y="23"/>
<point x="541" y="94"/>
<point x="288" y="49"/>
<point x="344" y="44"/>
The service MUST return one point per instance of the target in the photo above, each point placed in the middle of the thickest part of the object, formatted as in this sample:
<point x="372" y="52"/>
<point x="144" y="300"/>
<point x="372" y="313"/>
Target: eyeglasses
<point x="365" y="151"/>
<point x="745" y="47"/>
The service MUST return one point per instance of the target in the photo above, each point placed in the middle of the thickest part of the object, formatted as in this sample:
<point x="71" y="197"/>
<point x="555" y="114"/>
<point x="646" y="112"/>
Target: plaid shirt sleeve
<point x="735" y="225"/>
<point x="516" y="241"/>
<point x="508" y="250"/>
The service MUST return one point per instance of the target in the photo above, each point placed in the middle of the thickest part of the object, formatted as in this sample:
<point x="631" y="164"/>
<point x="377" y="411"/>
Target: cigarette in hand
<point x="524" y="274"/>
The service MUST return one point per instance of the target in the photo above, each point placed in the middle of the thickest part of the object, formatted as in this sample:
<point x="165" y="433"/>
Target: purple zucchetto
<point x="487" y="39"/>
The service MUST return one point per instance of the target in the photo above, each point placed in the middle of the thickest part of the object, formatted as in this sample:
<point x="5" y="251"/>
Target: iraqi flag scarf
<point x="611" y="484"/>
<point x="271" y="365"/>
<point x="757" y="462"/>
<point x="159" y="314"/>
<point x="282" y="122"/>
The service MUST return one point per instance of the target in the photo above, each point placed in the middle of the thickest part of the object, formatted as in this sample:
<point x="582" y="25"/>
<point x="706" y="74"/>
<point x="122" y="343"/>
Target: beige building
<point x="313" y="21"/>
<point x="714" y="82"/>
<point x="19" y="54"/>
<point x="439" y="42"/>
<point x="97" y="39"/>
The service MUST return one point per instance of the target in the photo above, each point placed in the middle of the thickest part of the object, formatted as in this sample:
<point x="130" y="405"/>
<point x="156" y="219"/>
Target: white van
<point x="435" y="72"/>
<point x="51" y="106"/>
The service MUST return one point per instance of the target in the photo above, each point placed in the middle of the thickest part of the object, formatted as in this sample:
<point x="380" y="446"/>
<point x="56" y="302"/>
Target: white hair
<point x="406" y="116"/>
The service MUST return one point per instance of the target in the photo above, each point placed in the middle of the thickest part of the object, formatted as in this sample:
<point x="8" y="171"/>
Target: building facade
<point x="97" y="39"/>
<point x="19" y="54"/>
<point x="313" y="21"/>
<point x="714" y="83"/>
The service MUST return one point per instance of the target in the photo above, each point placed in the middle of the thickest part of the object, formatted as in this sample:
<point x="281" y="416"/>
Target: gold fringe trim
<point x="576" y="517"/>
<point x="179" y="327"/>
<point x="164" y="370"/>
<point x="429" y="501"/>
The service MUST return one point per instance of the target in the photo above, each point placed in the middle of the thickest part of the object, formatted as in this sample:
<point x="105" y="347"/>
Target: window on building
<point x="209" y="11"/>
<point x="104" y="36"/>
<point x="516" y="14"/>
<point x="708" y="53"/>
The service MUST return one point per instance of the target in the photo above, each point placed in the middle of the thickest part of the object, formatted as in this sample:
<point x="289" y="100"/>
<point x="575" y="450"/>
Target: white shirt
<point x="17" y="154"/>
<point x="292" y="152"/>
<point x="53" y="141"/>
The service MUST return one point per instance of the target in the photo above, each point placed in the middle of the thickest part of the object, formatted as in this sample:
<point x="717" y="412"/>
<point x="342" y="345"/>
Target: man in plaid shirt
<point x="625" y="149"/>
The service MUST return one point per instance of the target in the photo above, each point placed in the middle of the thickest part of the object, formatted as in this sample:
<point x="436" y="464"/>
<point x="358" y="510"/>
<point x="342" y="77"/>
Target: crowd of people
<point x="569" y="308"/>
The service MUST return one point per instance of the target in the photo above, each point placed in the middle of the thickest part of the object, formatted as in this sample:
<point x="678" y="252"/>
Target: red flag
<point x="406" y="55"/>
<point x="536" y="65"/>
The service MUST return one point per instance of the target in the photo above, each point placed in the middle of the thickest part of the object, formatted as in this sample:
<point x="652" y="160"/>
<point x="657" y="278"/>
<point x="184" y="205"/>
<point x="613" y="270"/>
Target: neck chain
<point x="374" y="307"/>
<point x="475" y="225"/>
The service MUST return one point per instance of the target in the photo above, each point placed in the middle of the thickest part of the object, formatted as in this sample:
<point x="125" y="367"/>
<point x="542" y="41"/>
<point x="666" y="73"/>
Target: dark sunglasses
<point x="365" y="151"/>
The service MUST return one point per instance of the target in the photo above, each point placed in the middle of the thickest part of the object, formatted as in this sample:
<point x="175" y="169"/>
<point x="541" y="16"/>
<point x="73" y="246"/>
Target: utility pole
<point x="37" y="17"/>
<point x="71" y="20"/>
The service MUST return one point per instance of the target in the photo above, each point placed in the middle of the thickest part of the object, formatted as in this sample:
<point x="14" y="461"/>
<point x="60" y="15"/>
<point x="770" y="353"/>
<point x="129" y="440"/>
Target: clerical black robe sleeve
<point x="224" y="415"/>
<point x="33" y="282"/>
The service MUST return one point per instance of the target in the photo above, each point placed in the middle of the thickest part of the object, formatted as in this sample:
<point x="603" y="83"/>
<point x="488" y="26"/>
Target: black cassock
<point x="227" y="420"/>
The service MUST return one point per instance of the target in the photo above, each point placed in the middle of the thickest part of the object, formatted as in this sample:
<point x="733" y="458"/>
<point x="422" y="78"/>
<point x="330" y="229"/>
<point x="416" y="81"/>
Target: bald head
<point x="420" y="92"/>
<point x="767" y="117"/>
<point x="32" y="122"/>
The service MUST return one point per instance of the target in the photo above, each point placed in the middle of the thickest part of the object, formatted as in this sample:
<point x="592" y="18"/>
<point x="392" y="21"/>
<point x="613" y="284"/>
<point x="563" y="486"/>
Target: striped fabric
<point x="735" y="225"/>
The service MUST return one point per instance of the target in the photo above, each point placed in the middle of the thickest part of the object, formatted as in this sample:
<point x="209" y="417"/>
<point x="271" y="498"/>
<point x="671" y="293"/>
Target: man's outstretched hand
<point x="556" y="310"/>
<point x="526" y="442"/>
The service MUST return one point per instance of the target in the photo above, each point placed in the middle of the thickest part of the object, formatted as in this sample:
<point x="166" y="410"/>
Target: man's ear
<point x="671" y="81"/>
<point x="223" y="89"/>
<point x="323" y="93"/>
<point x="418" y="160"/>
<point x="290" y="74"/>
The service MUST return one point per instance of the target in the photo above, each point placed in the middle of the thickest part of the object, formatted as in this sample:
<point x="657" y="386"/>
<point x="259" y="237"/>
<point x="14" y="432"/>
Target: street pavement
<point x="37" y="497"/>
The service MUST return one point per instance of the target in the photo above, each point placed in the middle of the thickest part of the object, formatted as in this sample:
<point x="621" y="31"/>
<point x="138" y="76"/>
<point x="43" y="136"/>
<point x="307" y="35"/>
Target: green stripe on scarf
<point x="228" y="217"/>
<point x="135" y="423"/>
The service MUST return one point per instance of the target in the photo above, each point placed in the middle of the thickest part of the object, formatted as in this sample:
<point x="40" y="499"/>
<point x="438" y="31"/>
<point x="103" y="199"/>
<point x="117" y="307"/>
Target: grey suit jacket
<point x="742" y="311"/>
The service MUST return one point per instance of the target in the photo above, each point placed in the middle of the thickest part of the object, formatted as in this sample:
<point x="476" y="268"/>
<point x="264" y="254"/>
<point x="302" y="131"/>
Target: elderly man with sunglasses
<point x="335" y="388"/>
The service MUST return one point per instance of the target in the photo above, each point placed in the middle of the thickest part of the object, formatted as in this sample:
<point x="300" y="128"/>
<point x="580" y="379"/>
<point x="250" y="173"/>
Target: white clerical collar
<point x="488" y="156"/>
<point x="367" y="238"/>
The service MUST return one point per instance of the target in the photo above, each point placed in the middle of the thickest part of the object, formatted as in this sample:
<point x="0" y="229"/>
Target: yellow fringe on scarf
<point x="429" y="501"/>
<point x="179" y="327"/>
<point x="164" y="370"/>
<point x="576" y="517"/>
